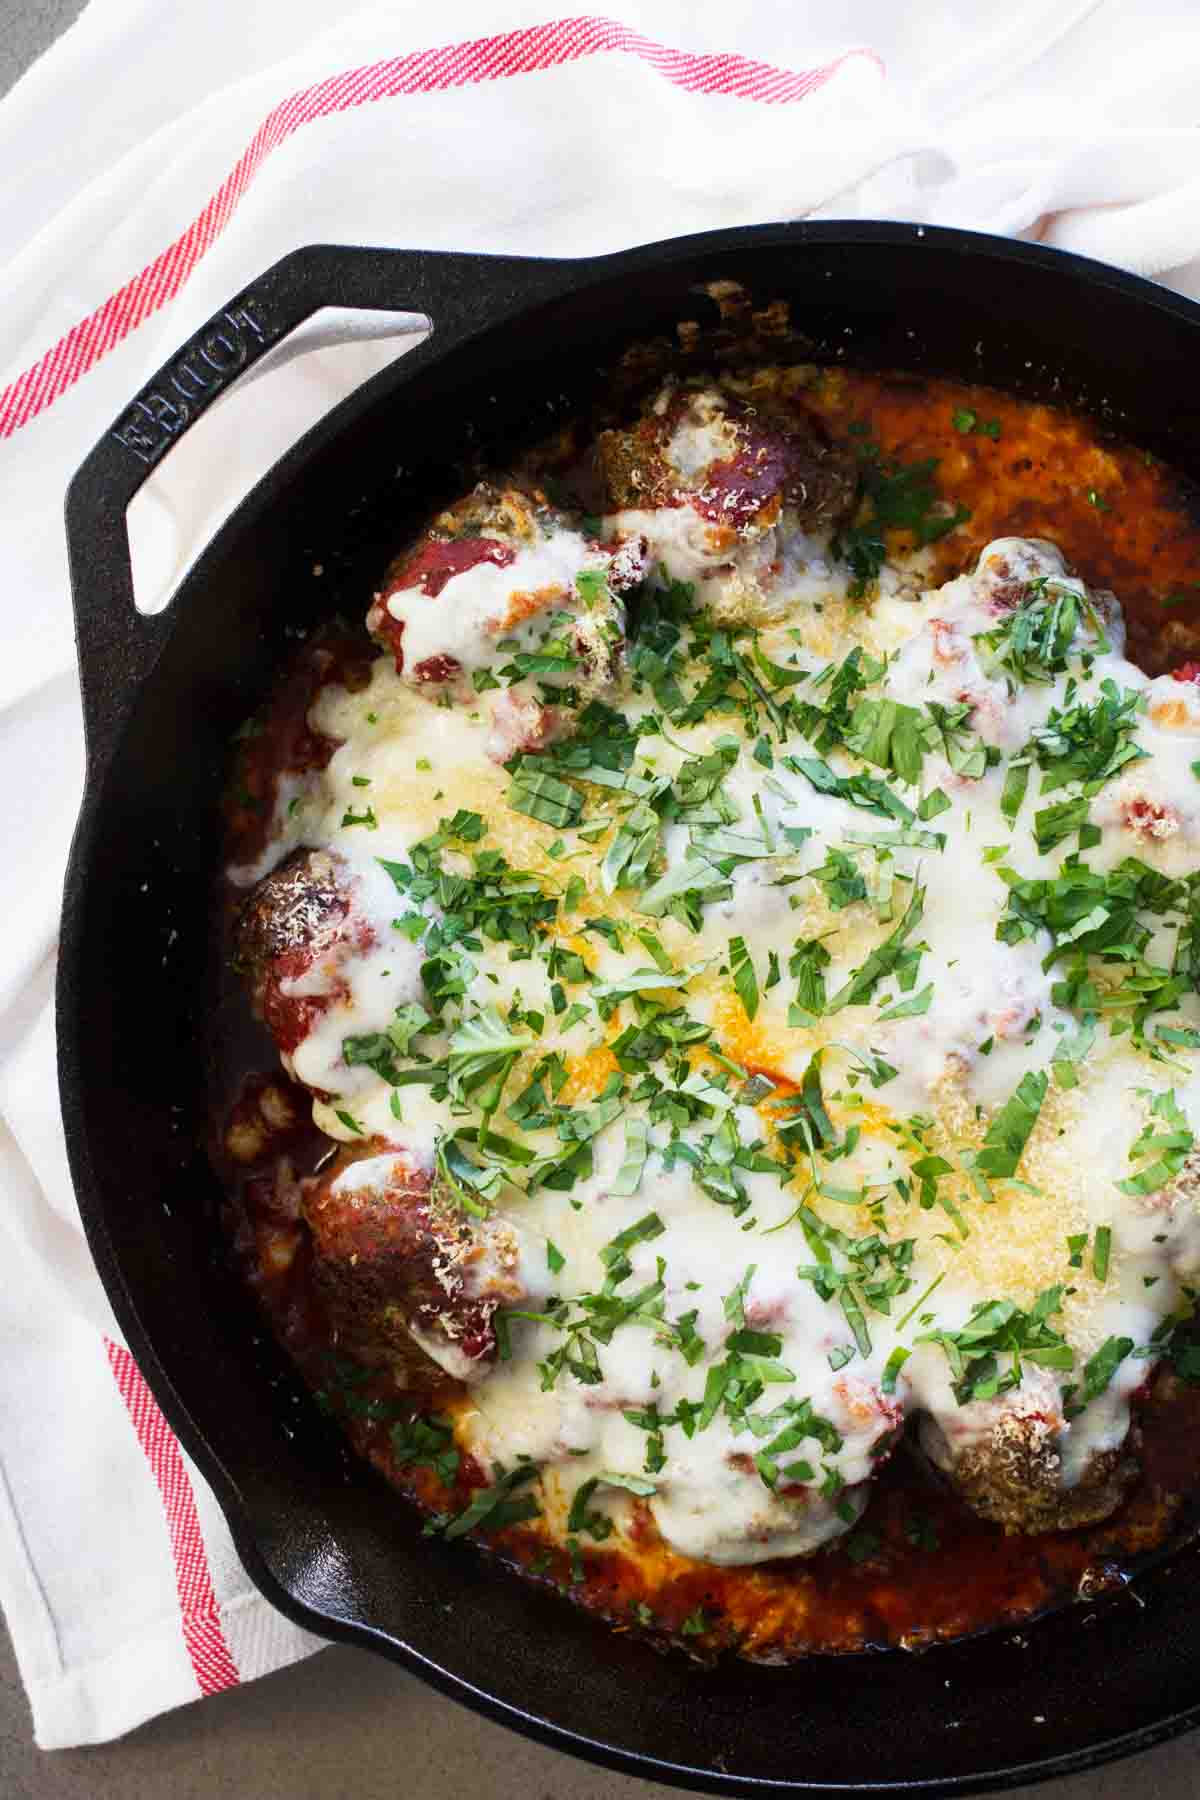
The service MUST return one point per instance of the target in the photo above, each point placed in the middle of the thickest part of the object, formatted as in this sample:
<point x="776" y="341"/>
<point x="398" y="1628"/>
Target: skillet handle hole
<point x="247" y="429"/>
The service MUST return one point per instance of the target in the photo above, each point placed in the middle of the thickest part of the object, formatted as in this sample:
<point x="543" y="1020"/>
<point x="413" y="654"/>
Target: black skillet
<point x="514" y="340"/>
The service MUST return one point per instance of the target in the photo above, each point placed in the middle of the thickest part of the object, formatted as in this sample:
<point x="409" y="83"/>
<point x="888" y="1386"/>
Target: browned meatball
<point x="396" y="1261"/>
<point x="282" y="741"/>
<point x="500" y="576"/>
<point x="324" y="965"/>
<point x="300" y="921"/>
<point x="1009" y="1467"/>
<point x="736" y="465"/>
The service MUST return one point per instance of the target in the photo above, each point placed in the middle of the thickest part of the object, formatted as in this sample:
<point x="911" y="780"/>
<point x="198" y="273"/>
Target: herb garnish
<point x="1034" y="642"/>
<point x="894" y="498"/>
<point x="1162" y="1147"/>
<point x="495" y="1508"/>
<point x="1008" y="1132"/>
<point x="996" y="1330"/>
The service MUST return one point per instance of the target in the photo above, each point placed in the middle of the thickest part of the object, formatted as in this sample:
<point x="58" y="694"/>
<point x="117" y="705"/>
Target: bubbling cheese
<point x="774" y="1248"/>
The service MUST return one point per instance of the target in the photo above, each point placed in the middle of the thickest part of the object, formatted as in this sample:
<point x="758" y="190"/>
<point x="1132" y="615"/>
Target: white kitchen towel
<point x="155" y="161"/>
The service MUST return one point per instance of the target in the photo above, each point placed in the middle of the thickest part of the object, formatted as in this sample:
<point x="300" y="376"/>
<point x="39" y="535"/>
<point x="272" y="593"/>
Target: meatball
<point x="738" y="500"/>
<point x="737" y="468"/>
<point x="314" y="941"/>
<point x="506" y="604"/>
<point x="396" y="1262"/>
<point x="1009" y="572"/>
<point x="1008" y="567"/>
<point x="295" y="931"/>
<point x="1005" y="1457"/>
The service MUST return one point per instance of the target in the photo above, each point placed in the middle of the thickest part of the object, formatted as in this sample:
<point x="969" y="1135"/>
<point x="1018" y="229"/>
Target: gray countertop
<point x="346" y="1722"/>
<point x="28" y="28"/>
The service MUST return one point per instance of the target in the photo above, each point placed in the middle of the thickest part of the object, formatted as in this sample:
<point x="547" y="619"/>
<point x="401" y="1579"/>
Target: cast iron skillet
<point x="321" y="1535"/>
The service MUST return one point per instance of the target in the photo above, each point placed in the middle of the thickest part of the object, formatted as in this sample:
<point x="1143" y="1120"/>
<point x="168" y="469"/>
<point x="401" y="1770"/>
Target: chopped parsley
<point x="543" y="796"/>
<point x="481" y="1056"/>
<point x="1098" y="1373"/>
<point x="894" y="498"/>
<point x="986" y="1354"/>
<point x="1101" y="1251"/>
<point x="882" y="961"/>
<point x="1162" y="1147"/>
<point x="1051" y="824"/>
<point x="499" y="1506"/>
<point x="1009" y="1131"/>
<point x="427" y="1441"/>
<point x="965" y="421"/>
<point x="697" y="1622"/>
<point x="1087" y="744"/>
<point x="1035" y="641"/>
<point x="745" y="981"/>
<point x="1086" y="911"/>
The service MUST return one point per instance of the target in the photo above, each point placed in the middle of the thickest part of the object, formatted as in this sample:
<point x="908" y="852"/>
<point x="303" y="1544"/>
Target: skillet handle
<point x="459" y="293"/>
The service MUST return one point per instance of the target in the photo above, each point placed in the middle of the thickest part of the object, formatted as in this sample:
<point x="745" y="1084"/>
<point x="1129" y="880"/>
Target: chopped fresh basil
<point x="882" y="961"/>
<point x="745" y="981"/>
<point x="1101" y="1251"/>
<point x="495" y="1508"/>
<point x="1162" y="1147"/>
<point x="544" y="797"/>
<point x="986" y="1354"/>
<point x="1010" y="1129"/>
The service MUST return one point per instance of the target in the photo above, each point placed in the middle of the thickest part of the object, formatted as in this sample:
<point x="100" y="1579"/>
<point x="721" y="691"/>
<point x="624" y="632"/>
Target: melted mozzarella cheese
<point x="363" y="991"/>
<point x="486" y="603"/>
<point x="992" y="1017"/>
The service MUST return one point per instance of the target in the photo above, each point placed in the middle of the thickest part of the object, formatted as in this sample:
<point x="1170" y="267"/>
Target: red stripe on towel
<point x="422" y="72"/>
<point x="202" y="1634"/>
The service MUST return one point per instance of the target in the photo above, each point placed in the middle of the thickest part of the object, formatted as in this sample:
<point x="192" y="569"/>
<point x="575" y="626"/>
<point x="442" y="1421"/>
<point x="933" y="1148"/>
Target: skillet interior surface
<point x="326" y="1540"/>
